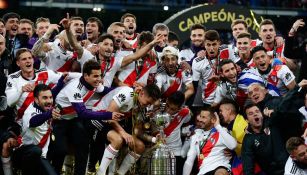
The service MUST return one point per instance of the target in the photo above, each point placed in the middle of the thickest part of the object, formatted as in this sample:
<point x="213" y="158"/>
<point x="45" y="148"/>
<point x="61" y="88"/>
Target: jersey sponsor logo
<point x="121" y="98"/>
<point x="77" y="96"/>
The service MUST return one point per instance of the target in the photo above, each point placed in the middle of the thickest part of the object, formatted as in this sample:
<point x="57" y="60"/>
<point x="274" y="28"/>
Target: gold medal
<point x="146" y="125"/>
<point x="201" y="157"/>
<point x="52" y="137"/>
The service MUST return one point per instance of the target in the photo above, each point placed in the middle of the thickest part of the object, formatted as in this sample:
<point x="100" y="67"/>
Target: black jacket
<point x="292" y="51"/>
<point x="286" y="115"/>
<point x="265" y="149"/>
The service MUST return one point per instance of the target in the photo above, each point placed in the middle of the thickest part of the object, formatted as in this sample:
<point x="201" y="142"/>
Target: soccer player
<point x="244" y="50"/>
<point x="208" y="146"/>
<point x="227" y="87"/>
<point x="197" y="48"/>
<point x="20" y="84"/>
<point x="125" y="100"/>
<point x="207" y="68"/>
<point x="75" y="101"/>
<point x="277" y="78"/>
<point x="137" y="67"/>
<point x="36" y="131"/>
<point x="129" y="21"/>
<point x="297" y="161"/>
<point x="179" y="116"/>
<point x="93" y="29"/>
<point x="172" y="78"/>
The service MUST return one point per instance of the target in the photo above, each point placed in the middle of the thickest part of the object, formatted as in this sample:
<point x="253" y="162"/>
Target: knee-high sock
<point x="108" y="155"/>
<point x="112" y="167"/>
<point x="127" y="163"/>
<point x="7" y="166"/>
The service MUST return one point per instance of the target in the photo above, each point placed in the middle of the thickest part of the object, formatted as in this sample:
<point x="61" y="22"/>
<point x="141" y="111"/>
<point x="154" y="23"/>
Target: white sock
<point x="112" y="167"/>
<point x="7" y="166"/>
<point x="127" y="163"/>
<point x="108" y="156"/>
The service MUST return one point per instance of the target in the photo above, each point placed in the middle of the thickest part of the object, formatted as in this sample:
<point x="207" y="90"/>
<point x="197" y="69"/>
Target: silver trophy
<point x="162" y="160"/>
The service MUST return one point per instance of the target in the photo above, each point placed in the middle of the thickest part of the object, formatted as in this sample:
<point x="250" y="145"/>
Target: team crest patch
<point x="212" y="140"/>
<point x="121" y="97"/>
<point x="77" y="96"/>
<point x="288" y="76"/>
<point x="40" y="82"/>
<point x="257" y="143"/>
<point x="177" y="80"/>
<point x="147" y="64"/>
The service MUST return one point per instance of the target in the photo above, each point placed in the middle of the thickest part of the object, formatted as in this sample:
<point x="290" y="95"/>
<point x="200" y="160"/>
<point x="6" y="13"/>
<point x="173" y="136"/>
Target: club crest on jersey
<point x="40" y="82"/>
<point x="121" y="98"/>
<point x="288" y="76"/>
<point x="177" y="80"/>
<point x="147" y="64"/>
<point x="212" y="140"/>
<point x="77" y="96"/>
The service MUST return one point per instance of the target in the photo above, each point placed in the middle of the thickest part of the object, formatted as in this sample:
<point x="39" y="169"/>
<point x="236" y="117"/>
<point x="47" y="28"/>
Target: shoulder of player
<point x="32" y="110"/>
<point x="161" y="71"/>
<point x="41" y="70"/>
<point x="185" y="51"/>
<point x="15" y="75"/>
<point x="223" y="47"/>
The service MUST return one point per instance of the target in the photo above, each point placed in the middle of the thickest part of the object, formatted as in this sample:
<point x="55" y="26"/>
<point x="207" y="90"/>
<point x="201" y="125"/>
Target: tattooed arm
<point x="37" y="49"/>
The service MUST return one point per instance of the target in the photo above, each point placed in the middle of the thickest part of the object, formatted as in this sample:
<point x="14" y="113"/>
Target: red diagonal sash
<point x="206" y="150"/>
<point x="176" y="121"/>
<point x="105" y="68"/>
<point x="44" y="139"/>
<point x="71" y="110"/>
<point x="67" y="65"/>
<point x="174" y="86"/>
<point x="211" y="86"/>
<point x="133" y="76"/>
<point x="43" y="76"/>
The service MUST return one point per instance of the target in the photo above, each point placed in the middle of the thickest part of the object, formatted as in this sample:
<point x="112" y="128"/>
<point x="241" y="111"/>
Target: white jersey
<point x="292" y="169"/>
<point x="60" y="60"/>
<point x="225" y="90"/>
<point x="186" y="55"/>
<point x="39" y="135"/>
<point x="22" y="100"/>
<point x="203" y="70"/>
<point x="109" y="69"/>
<point x="123" y="97"/>
<point x="209" y="147"/>
<point x="138" y="71"/>
<point x="229" y="52"/>
<point x="76" y="92"/>
<point x="172" y="83"/>
<point x="173" y="130"/>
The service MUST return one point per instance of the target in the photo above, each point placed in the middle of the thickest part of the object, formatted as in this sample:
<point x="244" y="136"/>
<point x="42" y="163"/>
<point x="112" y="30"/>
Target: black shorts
<point x="213" y="171"/>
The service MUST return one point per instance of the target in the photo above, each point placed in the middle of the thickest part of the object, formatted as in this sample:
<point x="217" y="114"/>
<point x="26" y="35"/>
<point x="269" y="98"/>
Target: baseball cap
<point x="169" y="50"/>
